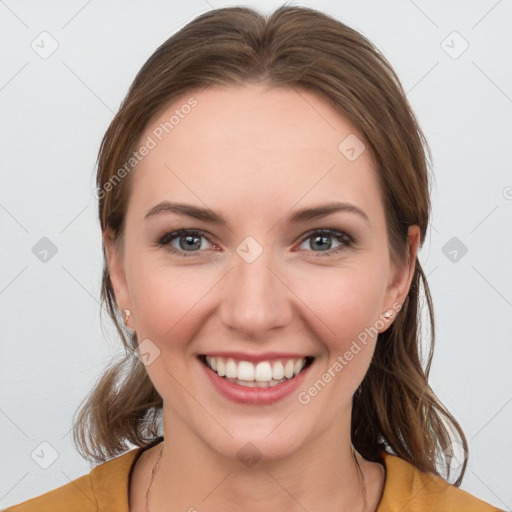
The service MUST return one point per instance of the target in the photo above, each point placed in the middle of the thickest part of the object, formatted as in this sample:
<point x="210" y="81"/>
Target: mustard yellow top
<point x="106" y="489"/>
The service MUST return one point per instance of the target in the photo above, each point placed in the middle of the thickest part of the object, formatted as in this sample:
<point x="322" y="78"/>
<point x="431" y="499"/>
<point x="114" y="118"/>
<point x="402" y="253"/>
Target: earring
<point x="388" y="313"/>
<point x="126" y="314"/>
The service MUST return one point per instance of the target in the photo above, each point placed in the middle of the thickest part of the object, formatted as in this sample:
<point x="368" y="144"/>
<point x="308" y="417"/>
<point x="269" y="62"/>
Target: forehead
<point x="256" y="143"/>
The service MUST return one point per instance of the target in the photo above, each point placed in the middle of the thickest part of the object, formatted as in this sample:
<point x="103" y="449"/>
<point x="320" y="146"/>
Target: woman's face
<point x="255" y="280"/>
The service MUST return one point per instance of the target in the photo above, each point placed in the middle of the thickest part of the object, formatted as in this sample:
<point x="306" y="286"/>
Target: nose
<point x="255" y="297"/>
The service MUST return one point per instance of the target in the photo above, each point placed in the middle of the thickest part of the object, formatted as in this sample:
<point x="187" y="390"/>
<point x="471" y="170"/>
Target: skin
<point x="255" y="155"/>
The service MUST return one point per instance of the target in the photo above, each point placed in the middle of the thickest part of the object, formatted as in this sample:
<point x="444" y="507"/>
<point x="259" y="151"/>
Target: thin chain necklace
<point x="363" y="479"/>
<point x="153" y="471"/>
<point x="360" y="473"/>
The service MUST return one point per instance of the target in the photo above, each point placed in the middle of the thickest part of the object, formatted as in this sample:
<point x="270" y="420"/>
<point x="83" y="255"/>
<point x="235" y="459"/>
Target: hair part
<point x="394" y="408"/>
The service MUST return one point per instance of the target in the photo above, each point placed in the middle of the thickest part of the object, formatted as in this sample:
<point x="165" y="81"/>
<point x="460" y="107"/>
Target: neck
<point x="321" y="475"/>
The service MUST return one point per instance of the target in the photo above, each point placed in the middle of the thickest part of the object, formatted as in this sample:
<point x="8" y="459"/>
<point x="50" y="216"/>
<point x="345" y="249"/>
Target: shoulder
<point x="408" y="488"/>
<point x="104" y="488"/>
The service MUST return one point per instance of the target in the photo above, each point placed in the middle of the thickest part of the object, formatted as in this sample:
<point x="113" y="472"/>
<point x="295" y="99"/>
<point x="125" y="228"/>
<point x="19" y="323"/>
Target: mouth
<point x="261" y="374"/>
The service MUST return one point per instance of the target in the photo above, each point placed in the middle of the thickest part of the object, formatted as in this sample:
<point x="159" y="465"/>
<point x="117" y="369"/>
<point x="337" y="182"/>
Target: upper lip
<point x="256" y="358"/>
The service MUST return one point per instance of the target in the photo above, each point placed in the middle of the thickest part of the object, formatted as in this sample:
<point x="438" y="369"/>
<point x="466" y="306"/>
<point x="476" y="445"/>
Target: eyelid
<point x="329" y="231"/>
<point x="173" y="235"/>
<point x="337" y="234"/>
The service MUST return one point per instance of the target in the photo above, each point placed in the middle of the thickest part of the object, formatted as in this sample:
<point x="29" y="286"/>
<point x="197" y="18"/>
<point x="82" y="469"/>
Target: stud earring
<point x="388" y="313"/>
<point x="126" y="314"/>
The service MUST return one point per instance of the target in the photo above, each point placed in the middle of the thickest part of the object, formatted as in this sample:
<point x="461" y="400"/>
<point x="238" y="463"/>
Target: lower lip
<point x="254" y="396"/>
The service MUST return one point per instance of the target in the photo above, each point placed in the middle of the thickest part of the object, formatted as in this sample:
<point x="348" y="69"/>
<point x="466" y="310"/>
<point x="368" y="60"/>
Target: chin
<point x="251" y="447"/>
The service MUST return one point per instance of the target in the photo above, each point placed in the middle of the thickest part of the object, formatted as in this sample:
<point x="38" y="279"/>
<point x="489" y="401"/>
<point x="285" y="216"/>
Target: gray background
<point x="54" y="111"/>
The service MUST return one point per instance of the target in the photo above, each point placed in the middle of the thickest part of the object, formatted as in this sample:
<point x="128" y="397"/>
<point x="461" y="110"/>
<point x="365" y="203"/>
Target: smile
<point x="263" y="374"/>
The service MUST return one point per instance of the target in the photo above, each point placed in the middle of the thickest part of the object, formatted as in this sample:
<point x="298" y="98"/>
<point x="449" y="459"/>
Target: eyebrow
<point x="207" y="215"/>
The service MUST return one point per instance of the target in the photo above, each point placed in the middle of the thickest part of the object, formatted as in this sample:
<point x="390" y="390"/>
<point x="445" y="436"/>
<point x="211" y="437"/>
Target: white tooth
<point x="260" y="384"/>
<point x="263" y="372"/>
<point x="221" y="368"/>
<point x="213" y="363"/>
<point x="299" y="364"/>
<point x="245" y="371"/>
<point x="277" y="370"/>
<point x="288" y="369"/>
<point x="246" y="383"/>
<point x="231" y="369"/>
<point x="273" y="383"/>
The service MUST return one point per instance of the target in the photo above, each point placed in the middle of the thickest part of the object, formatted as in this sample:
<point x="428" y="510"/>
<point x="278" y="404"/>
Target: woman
<point x="263" y="194"/>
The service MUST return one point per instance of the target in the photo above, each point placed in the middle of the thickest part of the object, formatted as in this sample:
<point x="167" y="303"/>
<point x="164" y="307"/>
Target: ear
<point x="115" y="262"/>
<point x="401" y="277"/>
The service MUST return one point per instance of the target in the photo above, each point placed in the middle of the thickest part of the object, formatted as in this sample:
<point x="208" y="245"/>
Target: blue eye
<point x="322" y="239"/>
<point x="189" y="241"/>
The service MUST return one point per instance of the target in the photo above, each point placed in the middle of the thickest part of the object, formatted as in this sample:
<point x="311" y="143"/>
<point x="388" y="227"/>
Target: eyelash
<point x="346" y="240"/>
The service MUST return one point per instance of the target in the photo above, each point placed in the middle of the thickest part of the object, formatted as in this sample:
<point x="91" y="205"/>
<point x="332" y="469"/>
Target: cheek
<point x="345" y="301"/>
<point x="167" y="301"/>
<point x="342" y="306"/>
<point x="170" y="305"/>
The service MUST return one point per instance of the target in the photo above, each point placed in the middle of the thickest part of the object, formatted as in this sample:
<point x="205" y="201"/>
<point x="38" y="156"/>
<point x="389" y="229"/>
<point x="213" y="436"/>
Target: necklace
<point x="153" y="471"/>
<point x="363" y="479"/>
<point x="359" y="471"/>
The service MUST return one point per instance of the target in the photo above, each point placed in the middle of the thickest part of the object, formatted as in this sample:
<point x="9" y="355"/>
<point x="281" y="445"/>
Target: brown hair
<point x="394" y="409"/>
